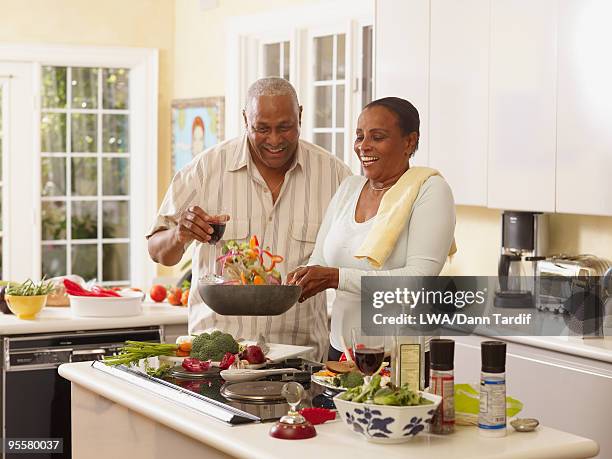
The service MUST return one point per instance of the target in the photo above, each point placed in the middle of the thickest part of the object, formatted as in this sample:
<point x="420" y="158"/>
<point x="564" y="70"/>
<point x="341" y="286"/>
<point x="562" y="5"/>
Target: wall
<point x="200" y="43"/>
<point x="478" y="237"/>
<point x="133" y="23"/>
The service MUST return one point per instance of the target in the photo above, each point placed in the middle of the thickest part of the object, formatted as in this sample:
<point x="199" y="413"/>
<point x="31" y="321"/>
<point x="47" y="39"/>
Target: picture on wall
<point x="197" y="124"/>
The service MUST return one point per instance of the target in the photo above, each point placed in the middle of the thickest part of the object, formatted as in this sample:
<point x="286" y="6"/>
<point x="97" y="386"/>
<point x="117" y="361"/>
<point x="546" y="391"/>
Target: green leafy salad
<point x="387" y="395"/>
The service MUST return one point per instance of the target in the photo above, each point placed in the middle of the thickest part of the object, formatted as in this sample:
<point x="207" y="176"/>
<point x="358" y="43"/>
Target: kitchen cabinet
<point x="584" y="137"/>
<point x="522" y="105"/>
<point x="458" y="99"/>
<point x="560" y="390"/>
<point x="402" y="59"/>
<point x="514" y="96"/>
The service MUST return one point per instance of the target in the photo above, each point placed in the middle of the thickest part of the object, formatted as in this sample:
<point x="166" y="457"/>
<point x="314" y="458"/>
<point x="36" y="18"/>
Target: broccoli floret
<point x="350" y="380"/>
<point x="213" y="346"/>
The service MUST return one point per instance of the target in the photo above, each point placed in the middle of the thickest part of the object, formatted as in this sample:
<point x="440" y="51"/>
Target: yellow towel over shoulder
<point x="393" y="212"/>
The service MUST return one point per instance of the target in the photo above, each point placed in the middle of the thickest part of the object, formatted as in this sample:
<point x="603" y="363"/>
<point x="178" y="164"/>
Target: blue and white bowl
<point x="385" y="423"/>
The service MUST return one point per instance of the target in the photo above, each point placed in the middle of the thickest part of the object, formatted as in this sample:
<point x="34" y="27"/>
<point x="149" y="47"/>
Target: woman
<point x="387" y="136"/>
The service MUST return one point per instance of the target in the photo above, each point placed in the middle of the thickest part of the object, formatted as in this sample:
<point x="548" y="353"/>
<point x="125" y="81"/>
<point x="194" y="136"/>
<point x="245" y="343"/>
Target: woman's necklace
<point x="380" y="189"/>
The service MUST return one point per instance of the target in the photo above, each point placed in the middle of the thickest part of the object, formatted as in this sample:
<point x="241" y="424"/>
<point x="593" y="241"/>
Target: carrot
<point x="186" y="347"/>
<point x="180" y="353"/>
<point x="258" y="280"/>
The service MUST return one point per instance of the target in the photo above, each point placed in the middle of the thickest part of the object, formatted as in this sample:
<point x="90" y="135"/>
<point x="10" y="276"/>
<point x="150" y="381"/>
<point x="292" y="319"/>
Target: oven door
<point x="38" y="407"/>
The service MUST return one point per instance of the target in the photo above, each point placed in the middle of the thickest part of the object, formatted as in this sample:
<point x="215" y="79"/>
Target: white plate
<point x="321" y="381"/>
<point x="277" y="353"/>
<point x="128" y="304"/>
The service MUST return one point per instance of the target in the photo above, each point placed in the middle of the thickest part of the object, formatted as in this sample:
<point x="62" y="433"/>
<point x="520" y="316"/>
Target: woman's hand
<point x="313" y="279"/>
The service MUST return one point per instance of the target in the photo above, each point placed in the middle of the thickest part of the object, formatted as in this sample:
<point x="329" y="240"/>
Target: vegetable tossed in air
<point x="248" y="263"/>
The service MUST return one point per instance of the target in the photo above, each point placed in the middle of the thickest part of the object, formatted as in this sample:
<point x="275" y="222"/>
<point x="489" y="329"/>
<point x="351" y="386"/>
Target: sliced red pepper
<point x="227" y="361"/>
<point x="195" y="365"/>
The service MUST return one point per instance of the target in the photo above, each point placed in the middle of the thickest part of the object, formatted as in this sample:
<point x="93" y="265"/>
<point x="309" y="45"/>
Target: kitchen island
<point x="113" y="418"/>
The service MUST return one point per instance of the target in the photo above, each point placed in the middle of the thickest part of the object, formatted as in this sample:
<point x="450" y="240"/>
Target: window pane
<point x="84" y="176"/>
<point x="54" y="260"/>
<point x="116" y="132"/>
<point x="115" y="261"/>
<point x="115" y="87"/>
<point x="85" y="260"/>
<point x="115" y="219"/>
<point x="340" y="105"/>
<point x="340" y="146"/>
<point x="84" y="220"/>
<point x="286" y="59"/>
<point x="84" y="129"/>
<point x="324" y="49"/>
<point x="272" y="59"/>
<point x="53" y="176"/>
<point x="115" y="177"/>
<point x="323" y="140"/>
<point x="53" y="132"/>
<point x="1" y="144"/>
<point x="366" y="67"/>
<point x="53" y="90"/>
<point x="53" y="220"/>
<point x="340" y="64"/>
<point x="84" y="87"/>
<point x="323" y="106"/>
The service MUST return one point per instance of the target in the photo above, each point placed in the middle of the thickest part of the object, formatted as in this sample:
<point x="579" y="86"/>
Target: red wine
<point x="369" y="360"/>
<point x="219" y="229"/>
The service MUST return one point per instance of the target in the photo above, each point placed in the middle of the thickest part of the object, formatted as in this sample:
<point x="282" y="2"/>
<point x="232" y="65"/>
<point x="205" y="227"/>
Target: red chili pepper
<point x="103" y="292"/>
<point x="195" y="365"/>
<point x="227" y="361"/>
<point x="318" y="415"/>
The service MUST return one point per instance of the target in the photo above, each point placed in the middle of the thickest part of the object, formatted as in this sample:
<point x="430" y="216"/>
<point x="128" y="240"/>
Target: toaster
<point x="573" y="284"/>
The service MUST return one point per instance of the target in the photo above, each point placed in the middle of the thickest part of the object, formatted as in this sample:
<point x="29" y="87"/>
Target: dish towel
<point x="394" y="210"/>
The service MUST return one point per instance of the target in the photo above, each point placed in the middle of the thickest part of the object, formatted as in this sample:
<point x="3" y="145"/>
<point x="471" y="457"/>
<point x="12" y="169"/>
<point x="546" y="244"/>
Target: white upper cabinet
<point x="584" y="115"/>
<point x="522" y="105"/>
<point x="402" y="59"/>
<point x="458" y="98"/>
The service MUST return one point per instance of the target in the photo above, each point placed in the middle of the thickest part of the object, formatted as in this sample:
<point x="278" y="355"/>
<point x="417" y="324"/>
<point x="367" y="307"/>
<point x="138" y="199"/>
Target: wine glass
<point x="369" y="352"/>
<point x="218" y="219"/>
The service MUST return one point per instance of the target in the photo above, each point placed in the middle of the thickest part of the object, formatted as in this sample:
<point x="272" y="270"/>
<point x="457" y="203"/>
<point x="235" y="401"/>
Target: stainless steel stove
<point x="232" y="403"/>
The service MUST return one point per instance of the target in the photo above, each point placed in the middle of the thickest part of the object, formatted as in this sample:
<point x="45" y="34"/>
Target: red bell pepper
<point x="318" y="415"/>
<point x="196" y="365"/>
<point x="227" y="361"/>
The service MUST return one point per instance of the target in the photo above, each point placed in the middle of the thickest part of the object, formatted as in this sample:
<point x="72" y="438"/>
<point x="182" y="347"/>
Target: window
<point x="326" y="53"/>
<point x="329" y="86"/>
<point x="85" y="161"/>
<point x="1" y="169"/>
<point x="86" y="192"/>
<point x="277" y="59"/>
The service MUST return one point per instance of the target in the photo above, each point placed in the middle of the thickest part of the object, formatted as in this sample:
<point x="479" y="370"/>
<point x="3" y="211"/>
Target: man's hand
<point x="194" y="223"/>
<point x="313" y="279"/>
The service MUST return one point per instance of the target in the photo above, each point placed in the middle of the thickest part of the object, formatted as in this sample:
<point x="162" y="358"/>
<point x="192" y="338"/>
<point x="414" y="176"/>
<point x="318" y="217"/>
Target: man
<point x="272" y="185"/>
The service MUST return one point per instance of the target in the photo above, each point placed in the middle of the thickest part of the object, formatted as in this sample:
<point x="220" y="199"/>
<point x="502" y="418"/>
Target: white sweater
<point x="421" y="248"/>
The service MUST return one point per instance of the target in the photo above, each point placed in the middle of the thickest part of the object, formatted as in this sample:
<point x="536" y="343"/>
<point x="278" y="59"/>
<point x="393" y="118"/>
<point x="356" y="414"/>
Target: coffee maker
<point x="524" y="243"/>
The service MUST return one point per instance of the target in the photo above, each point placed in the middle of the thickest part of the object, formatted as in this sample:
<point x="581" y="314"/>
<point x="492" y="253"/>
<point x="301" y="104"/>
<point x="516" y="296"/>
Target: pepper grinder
<point x="293" y="426"/>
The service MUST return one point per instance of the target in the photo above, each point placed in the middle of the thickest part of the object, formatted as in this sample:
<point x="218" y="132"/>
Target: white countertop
<point x="334" y="439"/>
<point x="57" y="319"/>
<point x="591" y="348"/>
